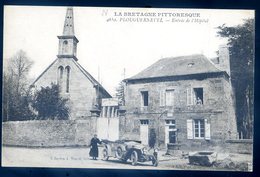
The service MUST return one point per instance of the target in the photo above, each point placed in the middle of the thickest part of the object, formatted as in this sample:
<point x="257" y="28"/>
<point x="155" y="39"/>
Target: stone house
<point x="75" y="82"/>
<point x="185" y="101"/>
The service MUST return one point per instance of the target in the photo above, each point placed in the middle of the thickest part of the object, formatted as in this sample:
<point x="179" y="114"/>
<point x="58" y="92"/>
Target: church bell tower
<point x="68" y="41"/>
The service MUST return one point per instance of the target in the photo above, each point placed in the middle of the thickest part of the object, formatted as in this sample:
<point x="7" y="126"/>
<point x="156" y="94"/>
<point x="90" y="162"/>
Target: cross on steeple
<point x="68" y="41"/>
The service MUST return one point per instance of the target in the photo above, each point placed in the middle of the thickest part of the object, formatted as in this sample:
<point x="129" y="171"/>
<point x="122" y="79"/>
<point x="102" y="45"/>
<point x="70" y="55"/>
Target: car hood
<point x="132" y="144"/>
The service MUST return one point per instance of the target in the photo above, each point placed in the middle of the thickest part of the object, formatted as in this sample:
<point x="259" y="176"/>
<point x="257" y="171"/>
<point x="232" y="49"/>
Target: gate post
<point x="95" y="113"/>
<point x="122" y="121"/>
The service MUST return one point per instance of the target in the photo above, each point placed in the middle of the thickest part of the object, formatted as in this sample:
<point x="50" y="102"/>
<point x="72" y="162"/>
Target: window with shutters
<point x="195" y="96"/>
<point x="144" y="95"/>
<point x="162" y="98"/>
<point x="198" y="129"/>
<point x="169" y="98"/>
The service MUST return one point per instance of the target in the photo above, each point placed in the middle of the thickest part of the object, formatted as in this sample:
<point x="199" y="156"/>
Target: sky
<point x="110" y="42"/>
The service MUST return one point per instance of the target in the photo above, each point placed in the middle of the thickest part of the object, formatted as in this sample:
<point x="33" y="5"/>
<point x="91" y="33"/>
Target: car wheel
<point x="134" y="158"/>
<point x="119" y="153"/>
<point x="105" y="154"/>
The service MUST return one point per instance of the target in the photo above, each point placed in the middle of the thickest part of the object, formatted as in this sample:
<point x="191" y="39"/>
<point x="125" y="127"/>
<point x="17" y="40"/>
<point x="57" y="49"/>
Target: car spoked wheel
<point x="134" y="158"/>
<point x="105" y="154"/>
<point x="119" y="153"/>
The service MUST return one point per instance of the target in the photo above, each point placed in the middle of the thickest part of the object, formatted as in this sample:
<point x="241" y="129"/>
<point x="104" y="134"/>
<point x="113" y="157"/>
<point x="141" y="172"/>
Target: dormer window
<point x="191" y="64"/>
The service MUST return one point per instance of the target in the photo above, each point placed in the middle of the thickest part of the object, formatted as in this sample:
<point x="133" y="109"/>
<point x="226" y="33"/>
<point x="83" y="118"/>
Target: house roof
<point x="178" y="66"/>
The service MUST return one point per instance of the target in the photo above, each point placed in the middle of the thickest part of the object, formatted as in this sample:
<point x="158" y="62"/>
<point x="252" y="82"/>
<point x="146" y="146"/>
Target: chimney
<point x="223" y="59"/>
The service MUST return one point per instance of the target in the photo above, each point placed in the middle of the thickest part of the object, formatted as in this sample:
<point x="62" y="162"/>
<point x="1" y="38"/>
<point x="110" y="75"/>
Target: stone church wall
<point x="81" y="93"/>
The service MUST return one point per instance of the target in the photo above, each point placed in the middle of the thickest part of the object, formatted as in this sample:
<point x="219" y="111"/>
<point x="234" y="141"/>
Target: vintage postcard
<point x="128" y="88"/>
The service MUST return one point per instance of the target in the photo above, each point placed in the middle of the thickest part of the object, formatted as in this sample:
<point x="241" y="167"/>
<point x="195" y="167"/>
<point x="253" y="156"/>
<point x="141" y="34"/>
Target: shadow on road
<point x="127" y="163"/>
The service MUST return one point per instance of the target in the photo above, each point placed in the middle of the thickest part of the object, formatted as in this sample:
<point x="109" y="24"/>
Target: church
<point x="76" y="84"/>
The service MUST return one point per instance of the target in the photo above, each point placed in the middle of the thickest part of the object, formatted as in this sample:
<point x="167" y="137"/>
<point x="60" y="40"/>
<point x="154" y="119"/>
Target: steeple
<point x="68" y="41"/>
<point x="68" y="28"/>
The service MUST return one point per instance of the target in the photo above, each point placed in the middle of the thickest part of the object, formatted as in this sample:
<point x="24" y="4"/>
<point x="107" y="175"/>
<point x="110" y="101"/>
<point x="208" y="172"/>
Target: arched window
<point x="65" y="47"/>
<point x="60" y="76"/>
<point x="67" y="69"/>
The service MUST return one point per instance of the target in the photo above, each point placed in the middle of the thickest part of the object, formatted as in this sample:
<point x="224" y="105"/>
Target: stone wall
<point x="218" y="109"/>
<point x="48" y="133"/>
<point x="243" y="146"/>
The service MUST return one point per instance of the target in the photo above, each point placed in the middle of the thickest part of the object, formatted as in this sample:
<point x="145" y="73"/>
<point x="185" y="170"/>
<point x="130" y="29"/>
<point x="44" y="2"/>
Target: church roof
<point x="177" y="66"/>
<point x="91" y="78"/>
<point x="87" y="74"/>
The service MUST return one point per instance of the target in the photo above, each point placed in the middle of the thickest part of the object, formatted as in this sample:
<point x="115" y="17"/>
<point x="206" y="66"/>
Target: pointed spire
<point x="68" y="29"/>
<point x="68" y="41"/>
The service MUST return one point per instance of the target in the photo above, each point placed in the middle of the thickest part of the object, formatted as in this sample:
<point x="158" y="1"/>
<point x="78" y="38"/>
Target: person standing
<point x="94" y="147"/>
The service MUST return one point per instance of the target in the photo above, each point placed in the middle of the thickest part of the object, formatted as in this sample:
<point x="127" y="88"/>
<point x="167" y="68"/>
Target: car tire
<point x="134" y="158"/>
<point x="119" y="153"/>
<point x="105" y="154"/>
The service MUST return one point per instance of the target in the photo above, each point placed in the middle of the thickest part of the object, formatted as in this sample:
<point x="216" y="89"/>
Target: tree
<point x="120" y="91"/>
<point x="15" y="88"/>
<point x="241" y="42"/>
<point x="49" y="104"/>
<point x="120" y="94"/>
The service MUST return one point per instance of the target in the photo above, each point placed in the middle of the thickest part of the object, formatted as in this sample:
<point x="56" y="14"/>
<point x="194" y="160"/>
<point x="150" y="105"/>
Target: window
<point x="194" y="96"/>
<point x="65" y="47"/>
<point x="68" y="79"/>
<point x="218" y="85"/>
<point x="190" y="65"/>
<point x="144" y="98"/>
<point x="198" y="129"/>
<point x="170" y="131"/>
<point x="162" y="98"/>
<point x="144" y="122"/>
<point x="60" y="75"/>
<point x="170" y="122"/>
<point x="169" y="97"/>
<point x="74" y="48"/>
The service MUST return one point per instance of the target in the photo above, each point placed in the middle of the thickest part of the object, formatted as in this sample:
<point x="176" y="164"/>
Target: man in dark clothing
<point x="94" y="147"/>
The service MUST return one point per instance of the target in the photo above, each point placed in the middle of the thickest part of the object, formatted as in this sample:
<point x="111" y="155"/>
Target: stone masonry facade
<point x="187" y="111"/>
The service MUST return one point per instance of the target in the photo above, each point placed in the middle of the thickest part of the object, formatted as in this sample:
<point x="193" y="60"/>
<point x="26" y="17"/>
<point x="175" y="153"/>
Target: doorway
<point x="144" y="131"/>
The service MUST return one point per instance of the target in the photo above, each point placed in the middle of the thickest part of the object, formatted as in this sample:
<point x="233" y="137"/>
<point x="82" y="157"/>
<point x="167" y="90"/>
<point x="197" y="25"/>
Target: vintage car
<point x="129" y="150"/>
